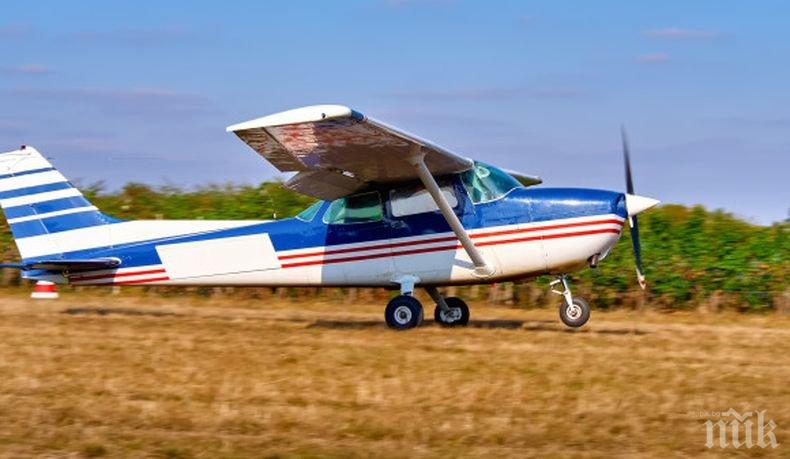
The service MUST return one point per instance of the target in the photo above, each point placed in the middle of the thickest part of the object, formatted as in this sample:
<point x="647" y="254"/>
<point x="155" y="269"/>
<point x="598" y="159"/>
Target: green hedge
<point x="691" y="255"/>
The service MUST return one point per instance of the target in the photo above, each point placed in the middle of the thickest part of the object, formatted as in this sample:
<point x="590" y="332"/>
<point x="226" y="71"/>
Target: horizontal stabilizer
<point x="66" y="265"/>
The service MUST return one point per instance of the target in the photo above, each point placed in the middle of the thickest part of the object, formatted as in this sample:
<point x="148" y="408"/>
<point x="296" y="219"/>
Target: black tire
<point x="577" y="315"/>
<point x="403" y="312"/>
<point x="459" y="313"/>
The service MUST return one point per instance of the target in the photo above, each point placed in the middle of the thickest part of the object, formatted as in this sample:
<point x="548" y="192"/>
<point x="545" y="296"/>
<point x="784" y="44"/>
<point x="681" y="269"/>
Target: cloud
<point x="420" y="116"/>
<point x="405" y="3"/>
<point x="759" y="121"/>
<point x="654" y="58"/>
<point x="133" y="37"/>
<point x="131" y="102"/>
<point x="11" y="130"/>
<point x="82" y="145"/>
<point x="482" y="94"/>
<point x="676" y="33"/>
<point x="458" y="94"/>
<point x="526" y="19"/>
<point x="14" y="30"/>
<point x="29" y="69"/>
<point x="554" y="93"/>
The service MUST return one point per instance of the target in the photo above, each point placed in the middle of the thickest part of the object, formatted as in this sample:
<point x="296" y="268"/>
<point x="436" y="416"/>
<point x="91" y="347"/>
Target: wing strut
<point x="417" y="159"/>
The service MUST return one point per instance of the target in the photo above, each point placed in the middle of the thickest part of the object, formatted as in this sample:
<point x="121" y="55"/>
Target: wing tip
<point x="308" y="114"/>
<point x="22" y="148"/>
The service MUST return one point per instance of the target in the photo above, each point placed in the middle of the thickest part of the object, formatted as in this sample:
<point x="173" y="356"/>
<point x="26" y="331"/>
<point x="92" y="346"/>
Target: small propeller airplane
<point x="394" y="211"/>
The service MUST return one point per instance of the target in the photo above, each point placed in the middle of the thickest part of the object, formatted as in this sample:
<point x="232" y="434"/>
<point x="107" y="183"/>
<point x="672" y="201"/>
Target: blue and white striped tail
<point x="38" y="201"/>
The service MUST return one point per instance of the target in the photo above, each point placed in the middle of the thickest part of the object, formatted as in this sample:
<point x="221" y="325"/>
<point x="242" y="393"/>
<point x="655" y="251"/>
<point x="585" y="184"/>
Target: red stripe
<point x="117" y="275"/>
<point x="550" y="236"/>
<point x="448" y="247"/>
<point x="449" y="239"/>
<point x="130" y="282"/>
<point x="369" y="247"/>
<point x="549" y="227"/>
<point x="144" y="281"/>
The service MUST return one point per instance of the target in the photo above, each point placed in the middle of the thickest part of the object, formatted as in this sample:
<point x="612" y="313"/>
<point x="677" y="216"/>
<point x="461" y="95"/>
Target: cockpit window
<point x="487" y="183"/>
<point x="308" y="214"/>
<point x="359" y="208"/>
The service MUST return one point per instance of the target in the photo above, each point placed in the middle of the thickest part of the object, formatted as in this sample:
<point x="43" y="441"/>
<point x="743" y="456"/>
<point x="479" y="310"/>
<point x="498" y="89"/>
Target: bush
<point x="690" y="254"/>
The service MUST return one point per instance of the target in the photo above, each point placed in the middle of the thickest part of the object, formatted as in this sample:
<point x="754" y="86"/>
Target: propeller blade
<point x="640" y="277"/>
<point x="629" y="182"/>
<point x="632" y="220"/>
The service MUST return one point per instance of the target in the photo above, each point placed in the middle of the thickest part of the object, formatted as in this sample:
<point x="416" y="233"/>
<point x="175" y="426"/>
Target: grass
<point x="180" y="378"/>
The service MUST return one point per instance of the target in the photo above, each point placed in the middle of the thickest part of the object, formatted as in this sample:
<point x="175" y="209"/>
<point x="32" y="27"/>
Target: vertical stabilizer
<point x="39" y="203"/>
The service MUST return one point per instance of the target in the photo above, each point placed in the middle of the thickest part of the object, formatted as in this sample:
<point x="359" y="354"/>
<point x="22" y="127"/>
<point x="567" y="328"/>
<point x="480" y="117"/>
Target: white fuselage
<point x="515" y="251"/>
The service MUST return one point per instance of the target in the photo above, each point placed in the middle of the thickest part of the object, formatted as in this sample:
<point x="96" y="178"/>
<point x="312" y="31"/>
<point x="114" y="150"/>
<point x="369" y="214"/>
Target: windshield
<point x="308" y="214"/>
<point x="484" y="182"/>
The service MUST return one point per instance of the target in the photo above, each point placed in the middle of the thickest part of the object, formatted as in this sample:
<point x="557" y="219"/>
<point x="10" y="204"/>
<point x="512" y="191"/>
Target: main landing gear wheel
<point x="403" y="312"/>
<point x="575" y="314"/>
<point x="457" y="314"/>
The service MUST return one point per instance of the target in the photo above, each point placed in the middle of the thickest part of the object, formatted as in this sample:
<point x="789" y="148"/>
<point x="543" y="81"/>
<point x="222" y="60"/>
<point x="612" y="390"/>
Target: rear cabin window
<point x="417" y="200"/>
<point x="359" y="208"/>
<point x="487" y="183"/>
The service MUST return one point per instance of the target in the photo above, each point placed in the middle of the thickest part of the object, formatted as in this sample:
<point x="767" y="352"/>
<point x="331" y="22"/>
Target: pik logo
<point x="741" y="430"/>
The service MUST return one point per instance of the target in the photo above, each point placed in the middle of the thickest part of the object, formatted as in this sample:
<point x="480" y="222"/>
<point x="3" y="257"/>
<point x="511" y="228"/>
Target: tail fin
<point x="39" y="202"/>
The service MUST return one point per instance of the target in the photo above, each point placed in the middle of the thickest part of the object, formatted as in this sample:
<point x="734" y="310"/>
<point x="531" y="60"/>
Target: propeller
<point x="634" y="204"/>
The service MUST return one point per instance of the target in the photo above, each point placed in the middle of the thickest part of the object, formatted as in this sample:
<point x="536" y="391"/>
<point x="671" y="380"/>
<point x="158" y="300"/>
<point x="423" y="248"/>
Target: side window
<point x="487" y="183"/>
<point x="359" y="208"/>
<point x="417" y="200"/>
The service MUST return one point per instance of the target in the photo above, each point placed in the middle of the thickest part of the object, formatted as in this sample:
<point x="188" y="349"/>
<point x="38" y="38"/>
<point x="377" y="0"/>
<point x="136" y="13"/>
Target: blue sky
<point x="142" y="91"/>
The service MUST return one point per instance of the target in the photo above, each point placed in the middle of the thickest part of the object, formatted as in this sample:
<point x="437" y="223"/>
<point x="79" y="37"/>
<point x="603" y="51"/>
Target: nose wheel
<point x="575" y="314"/>
<point x="574" y="311"/>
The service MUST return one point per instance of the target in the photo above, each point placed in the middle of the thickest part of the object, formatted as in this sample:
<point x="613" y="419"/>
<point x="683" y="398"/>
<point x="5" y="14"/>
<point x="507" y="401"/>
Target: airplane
<point x="394" y="210"/>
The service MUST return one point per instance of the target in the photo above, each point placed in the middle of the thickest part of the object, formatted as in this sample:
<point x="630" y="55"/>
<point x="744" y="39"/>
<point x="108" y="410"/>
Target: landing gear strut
<point x="404" y="311"/>
<point x="574" y="312"/>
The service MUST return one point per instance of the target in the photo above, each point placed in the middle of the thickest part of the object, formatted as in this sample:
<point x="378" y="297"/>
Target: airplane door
<point x="357" y="247"/>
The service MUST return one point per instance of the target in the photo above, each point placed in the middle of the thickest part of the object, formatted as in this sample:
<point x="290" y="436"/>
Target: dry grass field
<point x="142" y="377"/>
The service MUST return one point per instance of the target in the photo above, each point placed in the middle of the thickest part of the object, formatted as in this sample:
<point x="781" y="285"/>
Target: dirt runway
<point x="146" y="376"/>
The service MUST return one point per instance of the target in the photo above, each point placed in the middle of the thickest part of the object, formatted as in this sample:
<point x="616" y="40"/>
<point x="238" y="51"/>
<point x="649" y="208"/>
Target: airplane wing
<point x="336" y="150"/>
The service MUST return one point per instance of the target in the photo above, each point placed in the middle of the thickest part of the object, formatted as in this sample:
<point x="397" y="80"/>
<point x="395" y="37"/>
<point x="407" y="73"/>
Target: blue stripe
<point x="57" y="224"/>
<point x="28" y="229"/>
<point x="74" y="221"/>
<point x="32" y="171"/>
<point x="35" y="190"/>
<point x="522" y="205"/>
<point x="142" y="253"/>
<point x="46" y="207"/>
